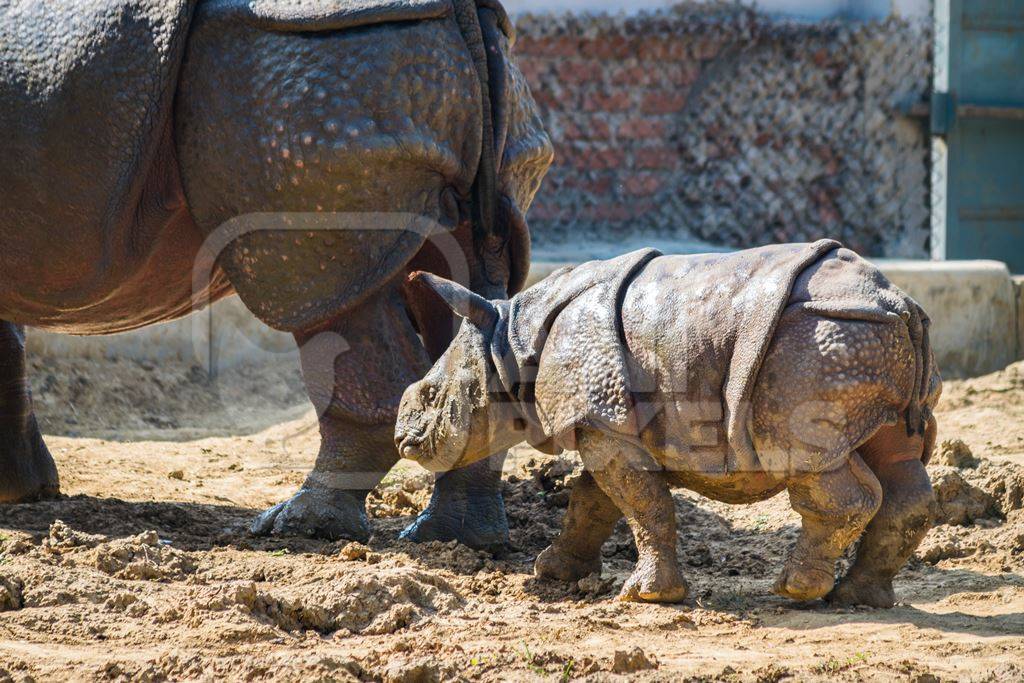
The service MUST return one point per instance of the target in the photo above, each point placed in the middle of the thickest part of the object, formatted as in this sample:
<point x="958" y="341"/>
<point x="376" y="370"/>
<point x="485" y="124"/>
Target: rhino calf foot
<point x="317" y="512"/>
<point x="862" y="591"/>
<point x="558" y="564"/>
<point x="655" y="580"/>
<point x="805" y="582"/>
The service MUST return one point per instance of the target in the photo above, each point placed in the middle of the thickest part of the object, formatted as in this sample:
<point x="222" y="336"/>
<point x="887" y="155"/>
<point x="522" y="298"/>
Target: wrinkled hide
<point x="665" y="351"/>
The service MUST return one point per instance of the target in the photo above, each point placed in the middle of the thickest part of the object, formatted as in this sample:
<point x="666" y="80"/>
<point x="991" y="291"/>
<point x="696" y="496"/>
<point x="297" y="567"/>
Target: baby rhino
<point x="796" y="367"/>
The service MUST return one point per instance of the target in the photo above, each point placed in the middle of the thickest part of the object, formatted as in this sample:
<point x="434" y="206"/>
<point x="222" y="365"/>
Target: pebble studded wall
<point x="713" y="122"/>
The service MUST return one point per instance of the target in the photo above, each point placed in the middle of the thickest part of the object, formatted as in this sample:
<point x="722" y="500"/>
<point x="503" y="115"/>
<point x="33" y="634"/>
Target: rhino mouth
<point x="410" y="446"/>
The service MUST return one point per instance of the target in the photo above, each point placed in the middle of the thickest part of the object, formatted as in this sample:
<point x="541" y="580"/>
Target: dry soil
<point x="145" y="569"/>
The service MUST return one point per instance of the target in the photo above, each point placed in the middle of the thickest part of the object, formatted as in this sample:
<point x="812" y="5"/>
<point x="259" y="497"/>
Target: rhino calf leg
<point x="588" y="523"/>
<point x="904" y="518"/>
<point x="636" y="484"/>
<point x="27" y="470"/>
<point x="835" y="506"/>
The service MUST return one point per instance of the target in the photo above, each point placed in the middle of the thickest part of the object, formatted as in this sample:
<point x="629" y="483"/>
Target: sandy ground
<point x="145" y="570"/>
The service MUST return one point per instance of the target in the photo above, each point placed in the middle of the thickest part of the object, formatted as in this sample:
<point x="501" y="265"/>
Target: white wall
<point x="810" y="9"/>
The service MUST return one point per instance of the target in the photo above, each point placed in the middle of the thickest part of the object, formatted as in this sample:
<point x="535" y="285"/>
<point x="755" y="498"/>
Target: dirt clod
<point x="354" y="551"/>
<point x="955" y="453"/>
<point x="631" y="661"/>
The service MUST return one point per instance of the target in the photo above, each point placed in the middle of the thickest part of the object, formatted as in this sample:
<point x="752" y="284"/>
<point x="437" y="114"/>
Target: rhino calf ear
<point x="463" y="302"/>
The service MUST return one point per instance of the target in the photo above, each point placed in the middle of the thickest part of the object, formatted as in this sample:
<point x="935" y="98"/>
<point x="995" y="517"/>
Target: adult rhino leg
<point x="27" y="470"/>
<point x="466" y="506"/>
<point x="834" y="506"/>
<point x="904" y="518"/>
<point x="355" y="370"/>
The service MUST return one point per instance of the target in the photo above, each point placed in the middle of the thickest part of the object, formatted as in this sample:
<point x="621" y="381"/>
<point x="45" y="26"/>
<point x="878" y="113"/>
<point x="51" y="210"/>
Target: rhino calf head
<point x="456" y="415"/>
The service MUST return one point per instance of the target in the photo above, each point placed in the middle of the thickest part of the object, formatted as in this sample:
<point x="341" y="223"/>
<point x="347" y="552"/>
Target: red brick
<point x="562" y="46"/>
<point x="633" y="75"/>
<point x="659" y="49"/>
<point x="657" y="158"/>
<point x="599" y="186"/>
<point x="593" y="128"/>
<point x="642" y="128"/>
<point x="642" y="185"/>
<point x="605" y="159"/>
<point x="615" y="100"/>
<point x="580" y="71"/>
<point x="682" y="73"/>
<point x="663" y="102"/>
<point x="607" y="47"/>
<point x="610" y="212"/>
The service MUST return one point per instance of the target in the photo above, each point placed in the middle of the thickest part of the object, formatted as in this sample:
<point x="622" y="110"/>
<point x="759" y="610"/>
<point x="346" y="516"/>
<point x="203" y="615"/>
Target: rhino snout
<point x="410" y="446"/>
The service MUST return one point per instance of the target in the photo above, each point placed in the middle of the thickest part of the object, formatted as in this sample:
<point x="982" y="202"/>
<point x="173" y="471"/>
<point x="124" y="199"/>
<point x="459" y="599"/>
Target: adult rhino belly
<point x="86" y="92"/>
<point x="315" y="160"/>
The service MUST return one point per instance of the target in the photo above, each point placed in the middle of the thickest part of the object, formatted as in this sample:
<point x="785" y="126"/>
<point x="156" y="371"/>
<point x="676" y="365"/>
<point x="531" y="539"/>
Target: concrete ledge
<point x="973" y="307"/>
<point x="976" y="307"/>
<point x="1018" y="283"/>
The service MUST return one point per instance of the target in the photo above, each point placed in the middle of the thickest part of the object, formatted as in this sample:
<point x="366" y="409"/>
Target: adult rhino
<point x="134" y="130"/>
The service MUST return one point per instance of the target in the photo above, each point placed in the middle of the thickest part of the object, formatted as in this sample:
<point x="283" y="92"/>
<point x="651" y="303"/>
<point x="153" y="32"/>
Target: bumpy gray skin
<point x="848" y="380"/>
<point x="162" y="154"/>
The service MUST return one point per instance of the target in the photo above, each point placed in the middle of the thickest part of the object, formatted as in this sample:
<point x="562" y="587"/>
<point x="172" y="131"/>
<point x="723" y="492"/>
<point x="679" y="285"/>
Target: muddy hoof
<point x="804" y="583"/>
<point x="872" y="593"/>
<point x="317" y="513"/>
<point x="662" y="582"/>
<point x="558" y="565"/>
<point x="29" y="473"/>
<point x="473" y="518"/>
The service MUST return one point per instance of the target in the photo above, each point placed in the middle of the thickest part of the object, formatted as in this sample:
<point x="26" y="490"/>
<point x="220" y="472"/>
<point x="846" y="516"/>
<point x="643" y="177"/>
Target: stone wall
<point x="714" y="122"/>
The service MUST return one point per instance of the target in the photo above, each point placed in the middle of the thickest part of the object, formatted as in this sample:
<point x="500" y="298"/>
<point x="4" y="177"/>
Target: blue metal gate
<point x="978" y="109"/>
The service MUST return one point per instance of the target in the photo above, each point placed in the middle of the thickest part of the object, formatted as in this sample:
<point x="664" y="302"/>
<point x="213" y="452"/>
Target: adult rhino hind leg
<point x="906" y="514"/>
<point x="355" y="370"/>
<point x="27" y="470"/>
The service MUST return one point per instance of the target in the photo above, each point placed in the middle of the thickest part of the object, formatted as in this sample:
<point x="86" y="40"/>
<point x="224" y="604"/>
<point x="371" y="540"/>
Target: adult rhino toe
<point x="317" y="513"/>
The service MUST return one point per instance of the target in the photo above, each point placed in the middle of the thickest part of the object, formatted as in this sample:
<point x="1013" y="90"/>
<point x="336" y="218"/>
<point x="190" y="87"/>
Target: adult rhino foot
<point x="27" y="470"/>
<point x="316" y="512"/>
<point x="852" y="591"/>
<point x="466" y="507"/>
<point x="560" y="565"/>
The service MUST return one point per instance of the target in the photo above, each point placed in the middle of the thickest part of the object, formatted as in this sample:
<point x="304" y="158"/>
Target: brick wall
<point x="716" y="123"/>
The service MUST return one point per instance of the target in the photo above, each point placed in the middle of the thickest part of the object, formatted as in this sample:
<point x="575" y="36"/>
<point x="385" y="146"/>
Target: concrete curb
<point x="1018" y="283"/>
<point x="977" y="310"/>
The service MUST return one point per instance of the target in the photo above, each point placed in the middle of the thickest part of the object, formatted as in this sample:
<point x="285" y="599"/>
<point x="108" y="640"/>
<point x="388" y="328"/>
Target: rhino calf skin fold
<point x="790" y="367"/>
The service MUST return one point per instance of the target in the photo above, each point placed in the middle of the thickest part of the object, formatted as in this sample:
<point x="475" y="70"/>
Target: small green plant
<point x="531" y="661"/>
<point x="281" y="553"/>
<point x="567" y="668"/>
<point x="834" y="665"/>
